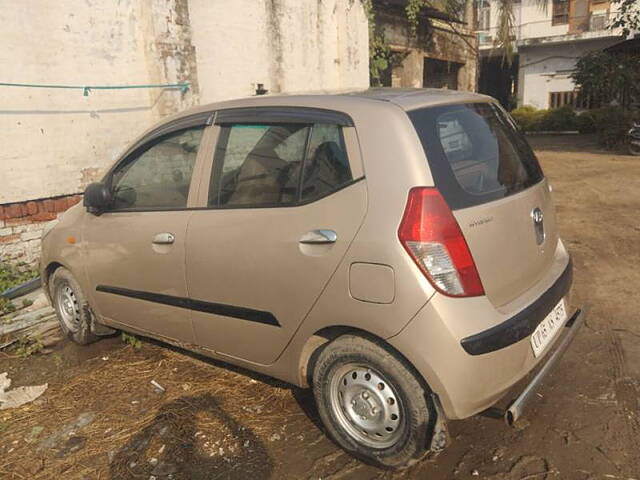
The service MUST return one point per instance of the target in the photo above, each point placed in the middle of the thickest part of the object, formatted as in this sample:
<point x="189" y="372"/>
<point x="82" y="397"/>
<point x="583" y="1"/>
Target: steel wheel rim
<point x="68" y="307"/>
<point x="367" y="406"/>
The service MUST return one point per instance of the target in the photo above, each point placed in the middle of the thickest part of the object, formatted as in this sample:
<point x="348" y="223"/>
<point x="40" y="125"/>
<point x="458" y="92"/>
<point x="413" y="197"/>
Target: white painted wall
<point x="287" y="45"/>
<point x="56" y="141"/>
<point x="545" y="69"/>
<point x="531" y="20"/>
<point x="49" y="137"/>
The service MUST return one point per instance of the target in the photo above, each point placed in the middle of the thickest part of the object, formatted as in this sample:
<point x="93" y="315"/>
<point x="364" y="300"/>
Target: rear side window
<point x="271" y="165"/>
<point x="327" y="166"/>
<point x="475" y="153"/>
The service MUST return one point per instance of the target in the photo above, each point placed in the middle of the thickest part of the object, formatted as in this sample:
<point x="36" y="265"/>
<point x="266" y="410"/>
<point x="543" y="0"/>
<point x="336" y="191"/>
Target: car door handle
<point x="165" y="238"/>
<point x="319" y="237"/>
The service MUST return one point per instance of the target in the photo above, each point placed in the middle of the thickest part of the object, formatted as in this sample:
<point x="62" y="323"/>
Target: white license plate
<point x="548" y="328"/>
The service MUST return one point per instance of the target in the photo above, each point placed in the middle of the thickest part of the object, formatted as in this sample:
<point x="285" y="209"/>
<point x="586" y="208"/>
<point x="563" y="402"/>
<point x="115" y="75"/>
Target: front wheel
<point x="72" y="309"/>
<point x="634" y="147"/>
<point x="372" y="402"/>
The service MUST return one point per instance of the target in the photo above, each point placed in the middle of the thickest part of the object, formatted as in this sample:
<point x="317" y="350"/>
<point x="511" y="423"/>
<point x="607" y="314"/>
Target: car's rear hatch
<point x="490" y="178"/>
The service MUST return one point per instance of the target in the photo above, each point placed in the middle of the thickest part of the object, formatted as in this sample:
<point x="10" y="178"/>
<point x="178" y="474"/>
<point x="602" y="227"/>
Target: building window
<point x="560" y="15"/>
<point x="571" y="98"/>
<point x="440" y="74"/>
<point x="484" y="15"/>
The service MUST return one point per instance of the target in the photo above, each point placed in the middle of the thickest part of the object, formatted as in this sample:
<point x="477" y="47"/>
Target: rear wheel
<point x="634" y="147"/>
<point x="72" y="309"/>
<point x="371" y="402"/>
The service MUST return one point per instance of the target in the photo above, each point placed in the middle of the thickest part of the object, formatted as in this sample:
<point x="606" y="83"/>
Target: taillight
<point x="432" y="236"/>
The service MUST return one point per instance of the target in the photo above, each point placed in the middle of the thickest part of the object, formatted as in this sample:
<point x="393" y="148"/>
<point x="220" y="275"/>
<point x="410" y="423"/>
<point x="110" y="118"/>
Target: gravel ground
<point x="102" y="418"/>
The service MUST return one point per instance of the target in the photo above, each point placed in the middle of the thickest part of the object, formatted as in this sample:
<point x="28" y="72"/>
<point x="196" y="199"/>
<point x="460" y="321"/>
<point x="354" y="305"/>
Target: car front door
<point x="136" y="249"/>
<point x="284" y="201"/>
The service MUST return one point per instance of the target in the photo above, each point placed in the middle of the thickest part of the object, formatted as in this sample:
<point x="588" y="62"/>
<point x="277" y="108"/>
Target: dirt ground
<point x="102" y="419"/>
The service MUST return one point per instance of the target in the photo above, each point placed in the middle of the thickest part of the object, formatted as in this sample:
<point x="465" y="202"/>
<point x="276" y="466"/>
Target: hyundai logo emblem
<point x="538" y="224"/>
<point x="537" y="216"/>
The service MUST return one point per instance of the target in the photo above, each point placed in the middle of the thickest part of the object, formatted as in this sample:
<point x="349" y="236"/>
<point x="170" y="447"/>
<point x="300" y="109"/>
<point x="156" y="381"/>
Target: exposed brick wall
<point x="21" y="226"/>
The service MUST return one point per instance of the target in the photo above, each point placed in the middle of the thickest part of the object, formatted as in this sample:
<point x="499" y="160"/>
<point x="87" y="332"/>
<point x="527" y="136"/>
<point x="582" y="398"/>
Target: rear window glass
<point x="475" y="153"/>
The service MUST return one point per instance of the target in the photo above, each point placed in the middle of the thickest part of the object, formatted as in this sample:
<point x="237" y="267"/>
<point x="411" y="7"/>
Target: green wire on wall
<point x="87" y="88"/>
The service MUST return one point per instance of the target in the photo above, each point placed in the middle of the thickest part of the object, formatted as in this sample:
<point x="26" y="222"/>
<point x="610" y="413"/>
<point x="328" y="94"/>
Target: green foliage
<point x="559" y="119"/>
<point x="6" y="306"/>
<point x="627" y="16"/>
<point x="505" y="31"/>
<point x="11" y="276"/>
<point x="612" y="124"/>
<point x="555" y="120"/>
<point x="608" y="77"/>
<point x="413" y="9"/>
<point x="27" y="346"/>
<point x="528" y="118"/>
<point x="131" y="340"/>
<point x="381" y="58"/>
<point x="584" y="123"/>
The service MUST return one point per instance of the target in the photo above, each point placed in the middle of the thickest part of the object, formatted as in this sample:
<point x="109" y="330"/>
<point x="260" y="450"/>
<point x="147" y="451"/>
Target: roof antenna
<point x="260" y="90"/>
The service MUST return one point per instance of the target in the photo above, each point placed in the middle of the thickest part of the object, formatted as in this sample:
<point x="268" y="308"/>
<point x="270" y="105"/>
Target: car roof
<point x="405" y="98"/>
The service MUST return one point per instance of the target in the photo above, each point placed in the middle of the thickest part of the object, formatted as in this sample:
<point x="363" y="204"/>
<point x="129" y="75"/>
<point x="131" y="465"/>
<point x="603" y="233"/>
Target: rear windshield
<point x="475" y="153"/>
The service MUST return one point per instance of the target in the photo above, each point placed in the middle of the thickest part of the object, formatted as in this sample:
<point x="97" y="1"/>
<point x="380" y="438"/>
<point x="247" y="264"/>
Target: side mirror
<point x="97" y="197"/>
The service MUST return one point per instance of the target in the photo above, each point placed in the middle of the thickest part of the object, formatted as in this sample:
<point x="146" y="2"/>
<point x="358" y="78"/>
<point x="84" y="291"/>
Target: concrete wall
<point x="532" y="20"/>
<point x="287" y="45"/>
<point x="546" y="68"/>
<point x="56" y="141"/>
<point x="435" y="41"/>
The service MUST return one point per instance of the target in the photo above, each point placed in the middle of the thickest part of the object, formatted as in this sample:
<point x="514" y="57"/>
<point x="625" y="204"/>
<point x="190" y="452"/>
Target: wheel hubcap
<point x="67" y="306"/>
<point x="366" y="406"/>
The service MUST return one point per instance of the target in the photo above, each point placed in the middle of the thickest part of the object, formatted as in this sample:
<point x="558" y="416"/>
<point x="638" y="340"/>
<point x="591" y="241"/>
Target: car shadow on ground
<point x="172" y="447"/>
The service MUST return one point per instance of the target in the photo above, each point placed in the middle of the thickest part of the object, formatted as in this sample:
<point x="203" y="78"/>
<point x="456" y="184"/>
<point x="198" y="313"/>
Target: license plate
<point x="548" y="328"/>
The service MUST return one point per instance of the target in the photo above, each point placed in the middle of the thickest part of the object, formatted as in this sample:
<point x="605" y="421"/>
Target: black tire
<point x="72" y="309"/>
<point x="415" y="408"/>
<point x="634" y="148"/>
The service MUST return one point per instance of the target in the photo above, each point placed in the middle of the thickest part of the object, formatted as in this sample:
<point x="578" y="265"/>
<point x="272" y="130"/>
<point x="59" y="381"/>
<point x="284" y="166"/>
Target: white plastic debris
<point x="18" y="396"/>
<point x="157" y="386"/>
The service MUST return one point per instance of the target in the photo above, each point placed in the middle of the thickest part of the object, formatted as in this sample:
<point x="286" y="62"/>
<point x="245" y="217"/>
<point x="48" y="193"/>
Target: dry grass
<point x="209" y="418"/>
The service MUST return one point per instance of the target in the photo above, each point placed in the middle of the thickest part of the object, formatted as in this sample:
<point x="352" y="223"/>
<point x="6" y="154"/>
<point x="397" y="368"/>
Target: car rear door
<point x="284" y="200"/>
<point x="136" y="249"/>
<point x="491" y="179"/>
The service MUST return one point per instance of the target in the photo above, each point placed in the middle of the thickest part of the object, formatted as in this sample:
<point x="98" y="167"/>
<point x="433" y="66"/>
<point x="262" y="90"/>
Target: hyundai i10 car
<point x="395" y="250"/>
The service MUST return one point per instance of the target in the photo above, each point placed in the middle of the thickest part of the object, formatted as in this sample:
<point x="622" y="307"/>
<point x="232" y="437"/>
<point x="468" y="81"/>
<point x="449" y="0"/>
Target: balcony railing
<point x="593" y="22"/>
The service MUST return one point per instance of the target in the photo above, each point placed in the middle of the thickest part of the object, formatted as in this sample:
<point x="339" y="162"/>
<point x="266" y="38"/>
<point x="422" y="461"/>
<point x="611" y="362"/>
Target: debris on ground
<point x="159" y="388"/>
<point x="67" y="432"/>
<point x="18" y="396"/>
<point x="31" y="329"/>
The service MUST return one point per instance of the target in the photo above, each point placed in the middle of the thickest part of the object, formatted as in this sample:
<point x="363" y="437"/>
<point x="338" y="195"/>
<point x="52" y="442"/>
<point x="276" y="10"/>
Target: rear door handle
<point x="319" y="237"/>
<point x="164" y="238"/>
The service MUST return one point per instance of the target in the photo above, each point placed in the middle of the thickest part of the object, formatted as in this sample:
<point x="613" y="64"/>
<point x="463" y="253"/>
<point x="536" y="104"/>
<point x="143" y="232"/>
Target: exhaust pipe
<point x="514" y="411"/>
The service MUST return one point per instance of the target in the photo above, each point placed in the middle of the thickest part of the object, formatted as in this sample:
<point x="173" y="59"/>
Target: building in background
<point x="442" y="53"/>
<point x="56" y="141"/>
<point x="548" y="41"/>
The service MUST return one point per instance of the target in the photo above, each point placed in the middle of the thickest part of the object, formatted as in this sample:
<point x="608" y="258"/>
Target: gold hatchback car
<point x="396" y="250"/>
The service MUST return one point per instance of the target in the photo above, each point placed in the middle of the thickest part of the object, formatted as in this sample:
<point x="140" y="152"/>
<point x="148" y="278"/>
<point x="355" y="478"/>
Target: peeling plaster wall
<point x="55" y="141"/>
<point x="50" y="137"/>
<point x="287" y="45"/>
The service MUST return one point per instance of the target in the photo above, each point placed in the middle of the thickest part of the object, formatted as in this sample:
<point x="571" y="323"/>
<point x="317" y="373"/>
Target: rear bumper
<point x="467" y="382"/>
<point x="523" y="323"/>
<point x="515" y="409"/>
